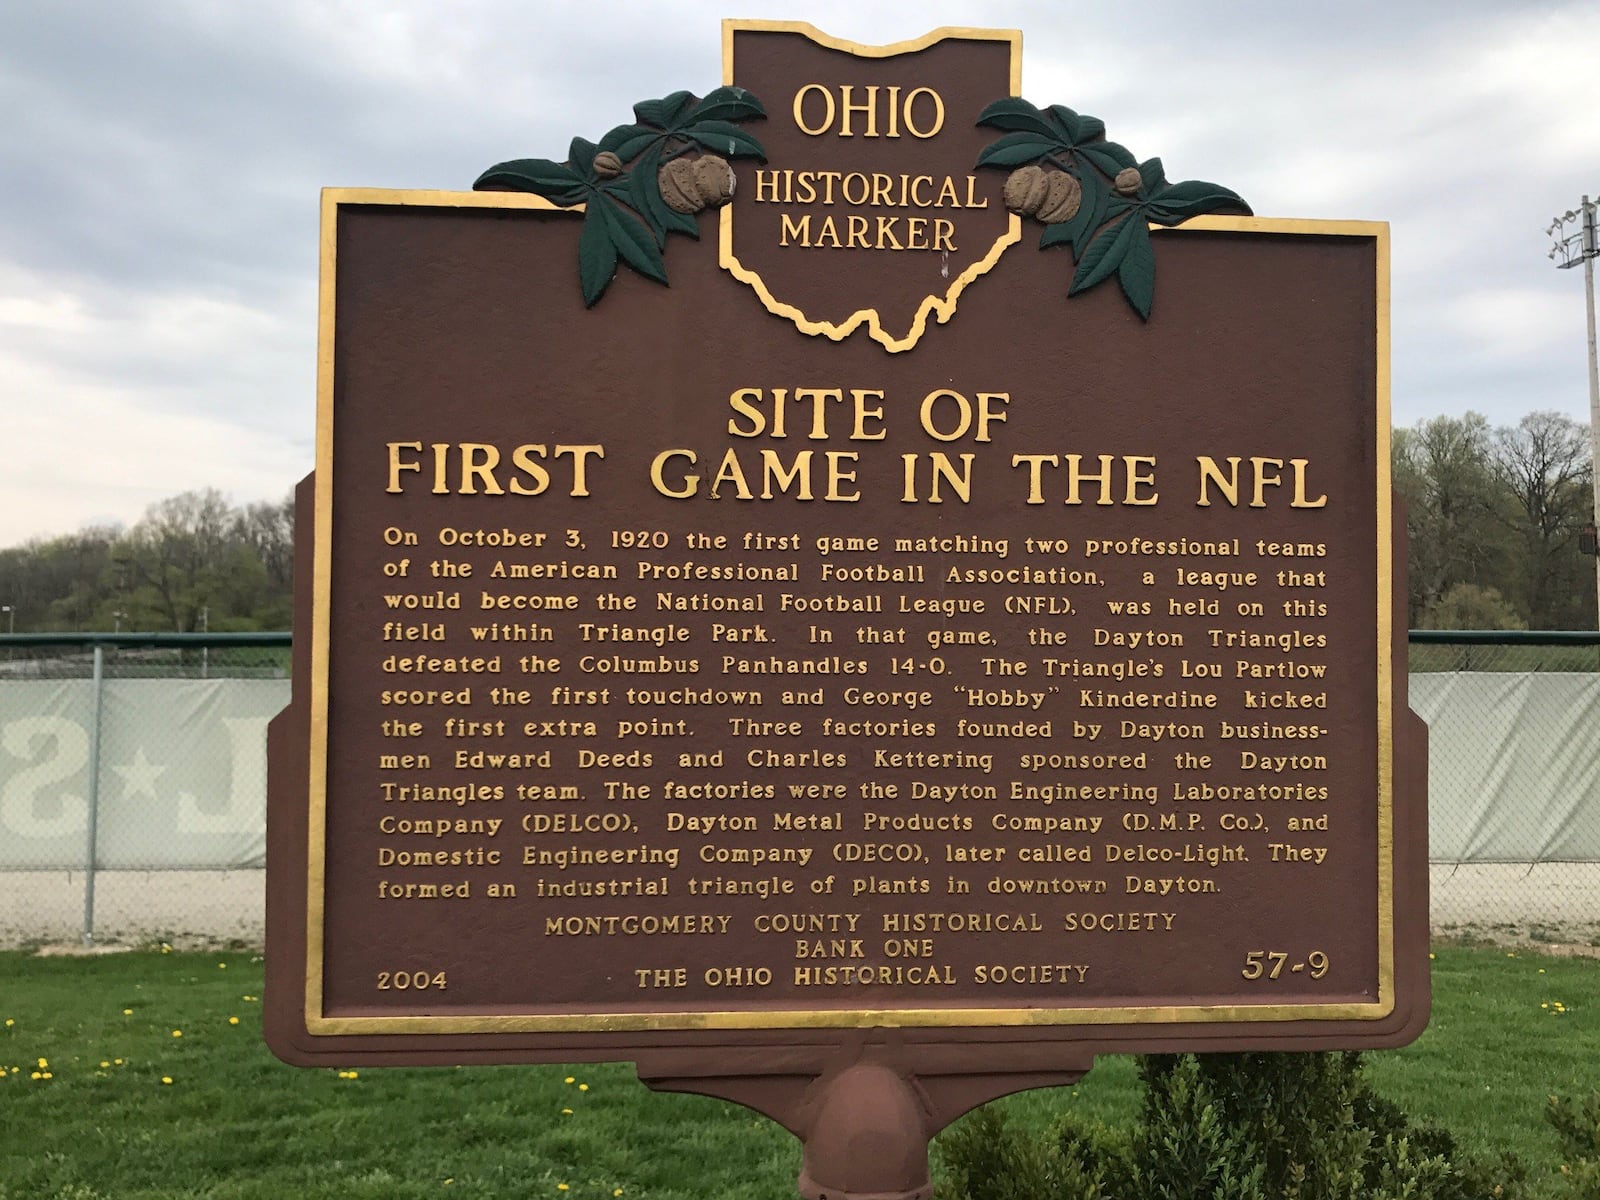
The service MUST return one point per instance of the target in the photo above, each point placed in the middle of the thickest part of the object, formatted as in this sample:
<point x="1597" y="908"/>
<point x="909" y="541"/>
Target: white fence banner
<point x="182" y="779"/>
<point x="1513" y="766"/>
<point x="1514" y="770"/>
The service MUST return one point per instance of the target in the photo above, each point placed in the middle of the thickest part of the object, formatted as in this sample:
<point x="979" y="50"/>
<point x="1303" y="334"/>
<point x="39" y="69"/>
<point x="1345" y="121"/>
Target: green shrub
<point x="1577" y="1127"/>
<point x="988" y="1159"/>
<point x="1234" y="1127"/>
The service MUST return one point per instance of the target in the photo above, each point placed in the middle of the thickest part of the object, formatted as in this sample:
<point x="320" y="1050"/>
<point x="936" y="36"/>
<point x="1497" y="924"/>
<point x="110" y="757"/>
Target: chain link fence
<point x="1513" y="782"/>
<point x="133" y="784"/>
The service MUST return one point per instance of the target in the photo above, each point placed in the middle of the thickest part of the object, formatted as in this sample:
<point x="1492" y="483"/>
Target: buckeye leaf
<point x="1017" y="114"/>
<point x="1078" y="127"/>
<point x="1152" y="177"/>
<point x="1104" y="254"/>
<point x="552" y="180"/>
<point x="644" y="193"/>
<point x="664" y="113"/>
<point x="633" y="242"/>
<point x="1015" y="149"/>
<point x="727" y="104"/>
<point x="597" y="254"/>
<point x="1091" y="211"/>
<point x="1108" y="156"/>
<point x="722" y="137"/>
<point x="1118" y="205"/>
<point x="1058" y="234"/>
<point x="628" y="141"/>
<point x="1073" y="231"/>
<point x="1192" y="198"/>
<point x="1137" y="271"/>
<point x="580" y="154"/>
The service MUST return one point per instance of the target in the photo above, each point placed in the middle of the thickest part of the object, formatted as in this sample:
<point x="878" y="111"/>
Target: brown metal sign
<point x="993" y="680"/>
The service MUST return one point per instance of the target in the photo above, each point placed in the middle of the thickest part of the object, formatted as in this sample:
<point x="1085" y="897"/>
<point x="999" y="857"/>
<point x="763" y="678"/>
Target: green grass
<point x="1494" y="1053"/>
<point x="234" y="1122"/>
<point x="1509" y="1029"/>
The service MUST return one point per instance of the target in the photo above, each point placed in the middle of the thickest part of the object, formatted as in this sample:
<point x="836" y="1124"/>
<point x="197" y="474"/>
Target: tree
<point x="177" y="558"/>
<point x="1544" y="464"/>
<point x="57" y="583"/>
<point x="192" y="561"/>
<point x="1455" y="507"/>
<point x="1468" y="606"/>
<point x="267" y="530"/>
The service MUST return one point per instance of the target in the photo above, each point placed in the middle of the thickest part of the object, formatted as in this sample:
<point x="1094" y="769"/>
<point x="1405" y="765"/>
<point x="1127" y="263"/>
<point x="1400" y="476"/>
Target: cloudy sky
<point x="160" y="163"/>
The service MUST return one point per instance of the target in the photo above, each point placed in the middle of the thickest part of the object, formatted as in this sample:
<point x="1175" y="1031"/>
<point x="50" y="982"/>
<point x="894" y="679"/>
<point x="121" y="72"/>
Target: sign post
<point x="793" y="597"/>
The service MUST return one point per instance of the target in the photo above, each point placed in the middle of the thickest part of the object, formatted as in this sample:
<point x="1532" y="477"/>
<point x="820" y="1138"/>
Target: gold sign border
<point x="317" y="1022"/>
<point x="940" y="308"/>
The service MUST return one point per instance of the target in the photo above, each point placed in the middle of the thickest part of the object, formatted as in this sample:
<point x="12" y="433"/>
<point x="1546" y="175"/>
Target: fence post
<point x="94" y="794"/>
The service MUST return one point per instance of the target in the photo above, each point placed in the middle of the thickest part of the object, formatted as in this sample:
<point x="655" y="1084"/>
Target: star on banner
<point x="139" y="777"/>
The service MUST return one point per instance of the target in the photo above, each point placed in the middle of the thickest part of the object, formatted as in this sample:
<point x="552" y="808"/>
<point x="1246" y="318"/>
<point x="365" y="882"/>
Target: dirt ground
<point x="1555" y="906"/>
<point x="183" y="908"/>
<point x="1551" y="905"/>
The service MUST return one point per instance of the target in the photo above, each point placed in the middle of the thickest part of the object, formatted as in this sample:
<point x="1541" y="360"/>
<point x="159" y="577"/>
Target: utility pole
<point x="1569" y="250"/>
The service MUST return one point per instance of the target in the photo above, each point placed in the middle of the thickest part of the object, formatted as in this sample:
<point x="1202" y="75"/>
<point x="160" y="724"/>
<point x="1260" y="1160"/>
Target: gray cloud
<point x="158" y="227"/>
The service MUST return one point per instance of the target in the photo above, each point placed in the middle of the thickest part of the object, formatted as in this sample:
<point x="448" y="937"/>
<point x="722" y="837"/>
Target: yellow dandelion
<point x="570" y="1079"/>
<point x="353" y="1075"/>
<point x="561" y="1187"/>
<point x="127" y="1012"/>
<point x="165" y="948"/>
<point x="43" y="1063"/>
<point x="249" y="998"/>
<point x="118" y="1061"/>
<point x="616" y="1191"/>
<point x="49" y="1075"/>
<point x="177" y="1033"/>
<point x="233" y="1020"/>
<point x="104" y="1063"/>
<point x="222" y="966"/>
<point x="10" y="1022"/>
<point x="34" y="1075"/>
<point x="1431" y="955"/>
<point x="1541" y="970"/>
<point x="166" y="1079"/>
<point x="566" y="1112"/>
<point x="1511" y="954"/>
<point x="1546" y="1005"/>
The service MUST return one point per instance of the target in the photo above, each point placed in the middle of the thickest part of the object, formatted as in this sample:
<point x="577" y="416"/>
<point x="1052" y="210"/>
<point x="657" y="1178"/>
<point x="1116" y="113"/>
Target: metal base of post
<point x="866" y="1137"/>
<point x="865" y="1108"/>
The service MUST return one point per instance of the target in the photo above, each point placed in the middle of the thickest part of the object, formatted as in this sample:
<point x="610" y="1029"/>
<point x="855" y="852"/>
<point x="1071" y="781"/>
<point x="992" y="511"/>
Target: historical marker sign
<point x="859" y="633"/>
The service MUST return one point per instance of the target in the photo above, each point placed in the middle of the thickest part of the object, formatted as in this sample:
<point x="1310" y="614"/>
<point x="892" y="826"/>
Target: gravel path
<point x="185" y="908"/>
